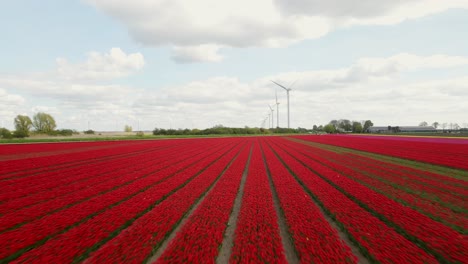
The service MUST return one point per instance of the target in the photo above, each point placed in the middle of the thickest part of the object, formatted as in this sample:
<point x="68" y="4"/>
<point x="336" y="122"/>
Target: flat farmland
<point x="295" y="199"/>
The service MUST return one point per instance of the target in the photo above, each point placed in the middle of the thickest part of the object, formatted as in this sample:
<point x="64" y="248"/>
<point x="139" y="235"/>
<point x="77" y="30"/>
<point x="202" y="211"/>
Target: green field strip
<point x="445" y="171"/>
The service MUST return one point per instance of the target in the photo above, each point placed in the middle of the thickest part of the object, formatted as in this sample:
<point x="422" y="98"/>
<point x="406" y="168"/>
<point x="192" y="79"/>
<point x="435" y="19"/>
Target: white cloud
<point x="73" y="89"/>
<point x="373" y="88"/>
<point x="370" y="88"/>
<point x="410" y="9"/>
<point x="99" y="66"/>
<point x="10" y="106"/>
<point x="339" y="8"/>
<point x="408" y="62"/>
<point x="197" y="27"/>
<point x="202" y="53"/>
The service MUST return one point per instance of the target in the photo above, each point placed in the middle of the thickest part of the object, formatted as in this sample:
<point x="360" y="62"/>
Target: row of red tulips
<point x="24" y="167"/>
<point x="43" y="182"/>
<point x="439" y="239"/>
<point x="418" y="200"/>
<point x="80" y="174"/>
<point x="14" y="242"/>
<point x="144" y="236"/>
<point x="257" y="238"/>
<point x="375" y="238"/>
<point x="314" y="239"/>
<point x="447" y="154"/>
<point x="199" y="240"/>
<point x="443" y="182"/>
<point x="428" y="200"/>
<point x="56" y="199"/>
<point x="15" y="149"/>
<point x="394" y="186"/>
<point x="450" y="195"/>
<point x="406" y="175"/>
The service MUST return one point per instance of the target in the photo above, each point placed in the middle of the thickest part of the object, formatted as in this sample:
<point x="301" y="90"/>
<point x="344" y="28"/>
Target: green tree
<point x="128" y="128"/>
<point x="330" y="128"/>
<point x="345" y="124"/>
<point x="5" y="133"/>
<point x="43" y="122"/>
<point x="335" y="123"/>
<point x="366" y="125"/>
<point x="357" y="127"/>
<point x="22" y="126"/>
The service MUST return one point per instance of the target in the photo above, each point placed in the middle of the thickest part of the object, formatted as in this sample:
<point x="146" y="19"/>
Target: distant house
<point x="417" y="129"/>
<point x="395" y="129"/>
<point x="377" y="129"/>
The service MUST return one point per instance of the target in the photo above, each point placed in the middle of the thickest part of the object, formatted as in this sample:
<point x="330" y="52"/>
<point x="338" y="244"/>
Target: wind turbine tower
<point x="277" y="109"/>
<point x="287" y="92"/>
<point x="272" y="117"/>
<point x="269" y="120"/>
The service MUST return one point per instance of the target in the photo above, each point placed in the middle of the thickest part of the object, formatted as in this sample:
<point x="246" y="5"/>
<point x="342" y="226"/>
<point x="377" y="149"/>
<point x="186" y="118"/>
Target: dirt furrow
<point x="228" y="241"/>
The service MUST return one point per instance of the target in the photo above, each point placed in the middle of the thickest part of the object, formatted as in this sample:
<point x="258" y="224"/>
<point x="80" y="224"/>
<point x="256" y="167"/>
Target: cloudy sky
<point x="196" y="64"/>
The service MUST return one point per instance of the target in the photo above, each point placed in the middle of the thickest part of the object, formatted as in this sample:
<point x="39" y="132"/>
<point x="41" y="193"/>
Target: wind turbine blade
<point x="279" y="85"/>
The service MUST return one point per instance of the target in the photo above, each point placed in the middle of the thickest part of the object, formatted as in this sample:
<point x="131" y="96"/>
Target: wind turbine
<point x="269" y="123"/>
<point x="287" y="92"/>
<point x="272" y="117"/>
<point x="277" y="109"/>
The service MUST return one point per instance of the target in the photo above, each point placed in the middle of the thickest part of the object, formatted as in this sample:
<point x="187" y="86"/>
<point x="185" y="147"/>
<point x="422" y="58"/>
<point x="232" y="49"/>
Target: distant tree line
<point x="446" y="126"/>
<point x="41" y="123"/>
<point x="344" y="126"/>
<point x="222" y="130"/>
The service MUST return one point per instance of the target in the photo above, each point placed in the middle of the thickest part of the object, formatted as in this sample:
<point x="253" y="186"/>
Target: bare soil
<point x="228" y="241"/>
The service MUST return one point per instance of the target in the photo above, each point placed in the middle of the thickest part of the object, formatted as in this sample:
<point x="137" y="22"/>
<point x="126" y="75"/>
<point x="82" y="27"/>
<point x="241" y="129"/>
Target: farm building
<point x="389" y="129"/>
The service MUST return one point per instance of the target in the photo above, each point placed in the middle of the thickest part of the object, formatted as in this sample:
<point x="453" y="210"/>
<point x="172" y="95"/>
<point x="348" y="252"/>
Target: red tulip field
<point x="267" y="199"/>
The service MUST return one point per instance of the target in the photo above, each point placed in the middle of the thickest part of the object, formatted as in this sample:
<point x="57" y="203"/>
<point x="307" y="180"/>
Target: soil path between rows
<point x="228" y="241"/>
<point x="344" y="237"/>
<point x="185" y="218"/>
